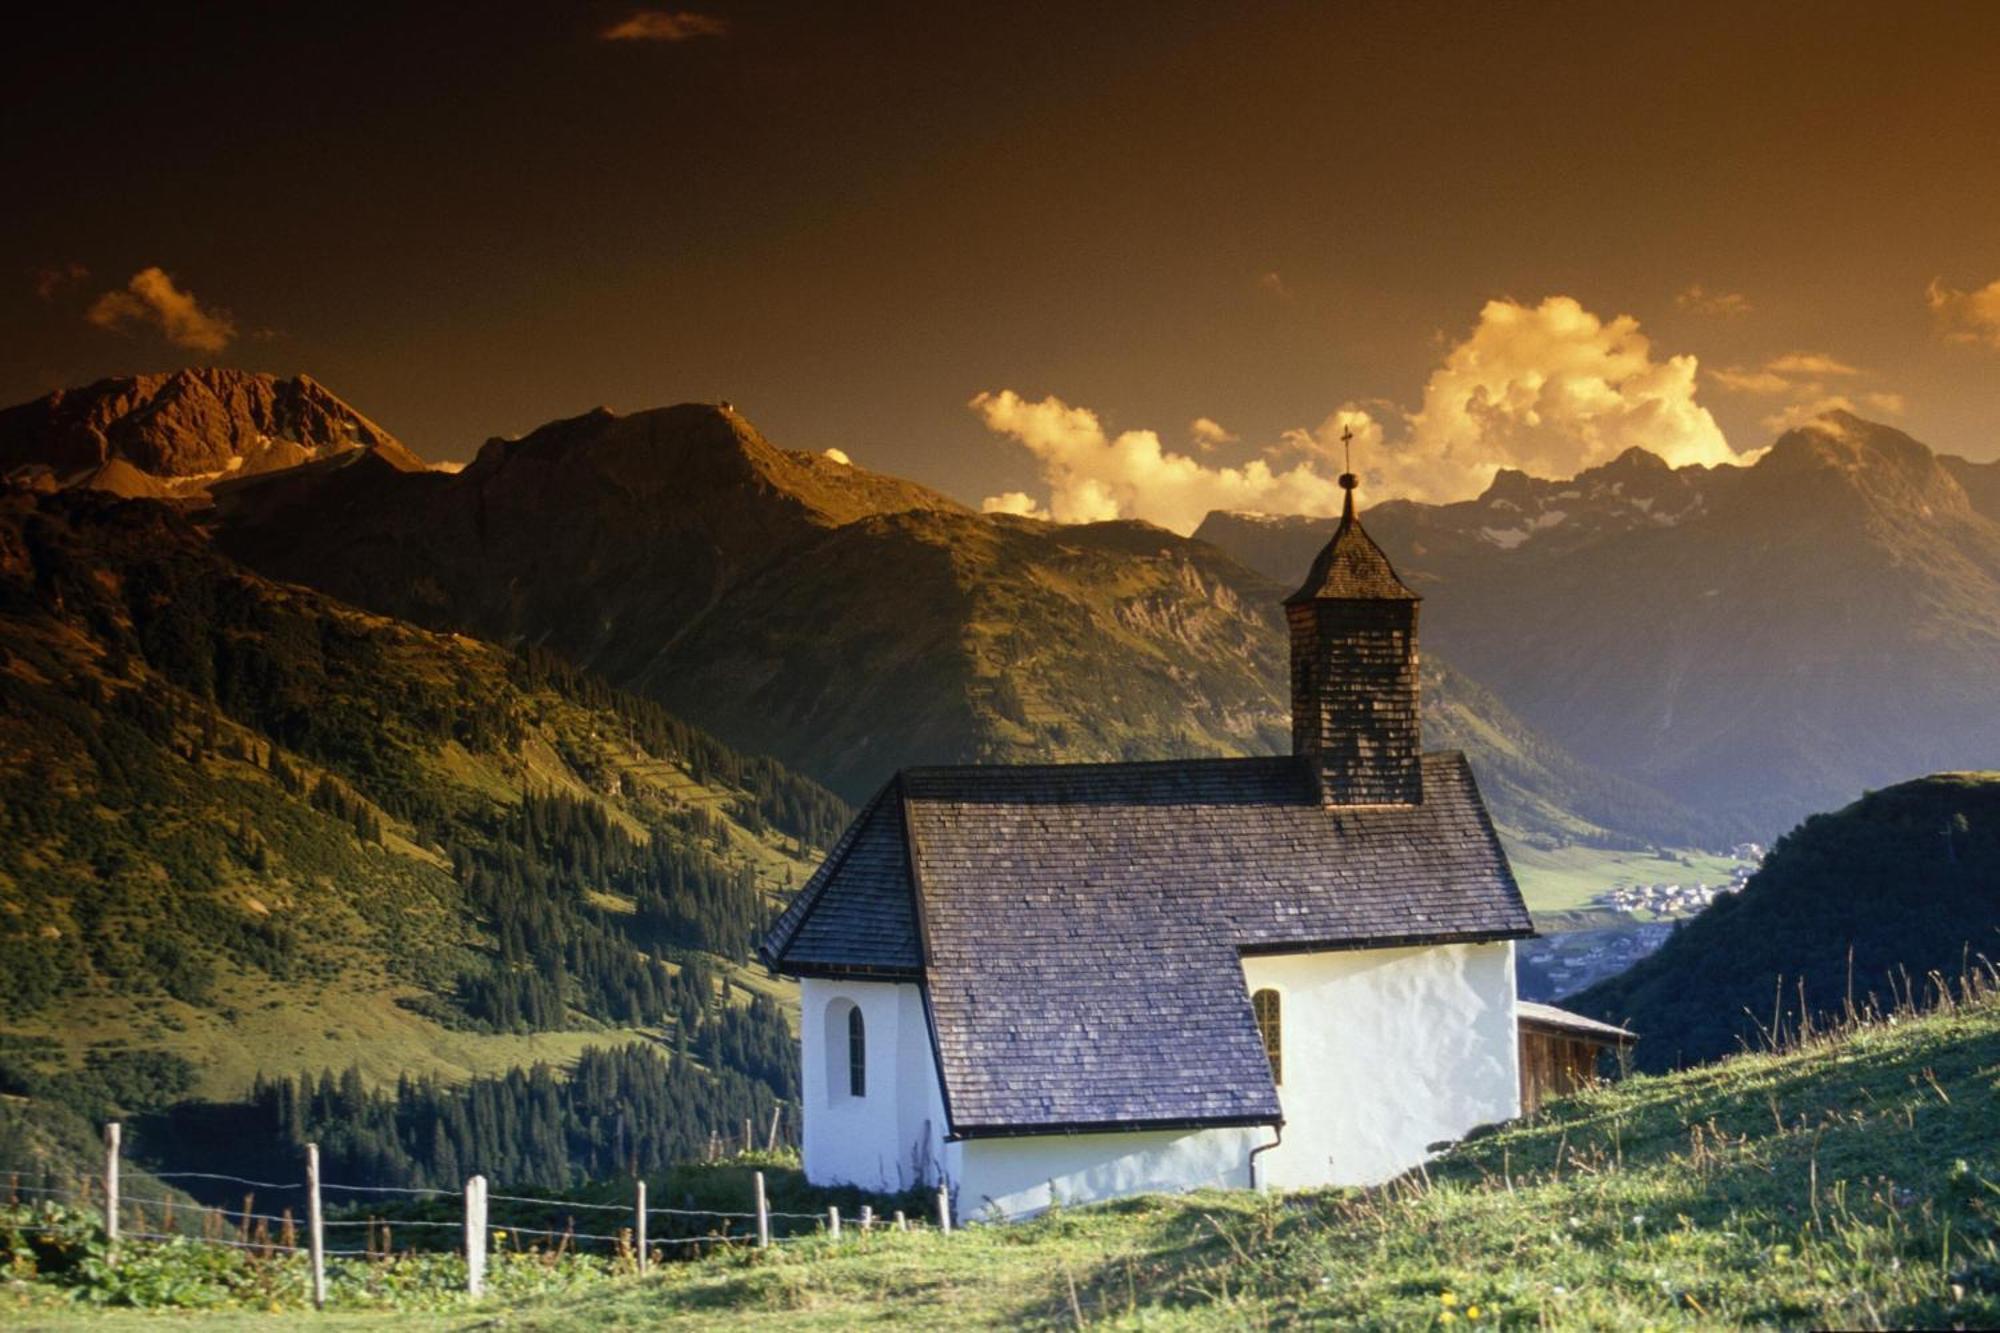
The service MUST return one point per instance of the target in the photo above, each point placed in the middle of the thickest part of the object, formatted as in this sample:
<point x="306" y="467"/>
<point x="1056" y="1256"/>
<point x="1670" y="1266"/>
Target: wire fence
<point x="161" y="1219"/>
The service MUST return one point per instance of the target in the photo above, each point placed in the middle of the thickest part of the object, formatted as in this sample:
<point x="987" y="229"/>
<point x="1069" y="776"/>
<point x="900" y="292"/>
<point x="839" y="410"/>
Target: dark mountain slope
<point x="847" y="622"/>
<point x="1906" y="879"/>
<point x="239" y="820"/>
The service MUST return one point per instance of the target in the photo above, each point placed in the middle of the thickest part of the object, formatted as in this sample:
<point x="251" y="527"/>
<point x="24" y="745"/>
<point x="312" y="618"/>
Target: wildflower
<point x="1472" y="1312"/>
<point x="1447" y="1298"/>
<point x="1447" y="1317"/>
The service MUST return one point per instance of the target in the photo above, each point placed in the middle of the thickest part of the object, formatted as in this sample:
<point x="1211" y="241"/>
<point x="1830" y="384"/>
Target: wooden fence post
<point x="639" y="1228"/>
<point x="315" y="1227"/>
<point x="833" y="1220"/>
<point x="475" y="1236"/>
<point x="867" y="1218"/>
<point x="113" y="1135"/>
<point x="763" y="1215"/>
<point x="771" y="1140"/>
<point x="748" y="1143"/>
<point x="902" y="1223"/>
<point x="944" y="1207"/>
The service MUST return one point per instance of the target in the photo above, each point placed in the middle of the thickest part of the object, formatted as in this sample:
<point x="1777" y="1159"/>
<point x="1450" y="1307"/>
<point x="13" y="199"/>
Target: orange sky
<point x="852" y="220"/>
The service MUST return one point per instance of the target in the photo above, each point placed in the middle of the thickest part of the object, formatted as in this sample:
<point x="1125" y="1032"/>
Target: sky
<point x="1077" y="260"/>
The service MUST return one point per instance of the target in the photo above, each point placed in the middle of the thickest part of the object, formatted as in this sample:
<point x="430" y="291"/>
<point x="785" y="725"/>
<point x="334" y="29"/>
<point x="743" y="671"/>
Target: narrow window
<point x="1265" y="1003"/>
<point x="857" y="1055"/>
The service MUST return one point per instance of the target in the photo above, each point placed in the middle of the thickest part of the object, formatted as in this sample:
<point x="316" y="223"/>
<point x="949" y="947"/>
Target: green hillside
<point x="1853" y="907"/>
<point x="1854" y="1183"/>
<point x="244" y="829"/>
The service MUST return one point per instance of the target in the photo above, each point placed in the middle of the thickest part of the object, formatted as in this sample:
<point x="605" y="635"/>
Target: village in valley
<point x="1623" y="924"/>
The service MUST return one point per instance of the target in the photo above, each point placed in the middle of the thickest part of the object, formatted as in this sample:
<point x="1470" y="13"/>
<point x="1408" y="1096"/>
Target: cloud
<point x="1966" y="317"/>
<point x="1750" y="381"/>
<point x="1208" y="433"/>
<point x="50" y="281"/>
<point x="1094" y="475"/>
<point x="1803" y="376"/>
<point x="1549" y="389"/>
<point x="152" y="298"/>
<point x="838" y="456"/>
<point x="1703" y="302"/>
<point x="666" y="25"/>
<point x="1877" y="403"/>
<point x="1810" y="363"/>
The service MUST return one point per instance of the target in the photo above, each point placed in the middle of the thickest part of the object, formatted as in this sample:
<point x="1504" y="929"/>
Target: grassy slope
<point x="380" y="930"/>
<point x="1852" y="1184"/>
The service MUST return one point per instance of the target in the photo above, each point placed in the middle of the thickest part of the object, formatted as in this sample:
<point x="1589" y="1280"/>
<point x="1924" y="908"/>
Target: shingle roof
<point x="1078" y="920"/>
<point x="1530" y="1014"/>
<point x="1352" y="566"/>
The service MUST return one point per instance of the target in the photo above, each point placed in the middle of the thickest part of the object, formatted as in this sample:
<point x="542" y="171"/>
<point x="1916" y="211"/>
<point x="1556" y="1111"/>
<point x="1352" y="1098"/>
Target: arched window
<point x="857" y="1054"/>
<point x="1267" y="1007"/>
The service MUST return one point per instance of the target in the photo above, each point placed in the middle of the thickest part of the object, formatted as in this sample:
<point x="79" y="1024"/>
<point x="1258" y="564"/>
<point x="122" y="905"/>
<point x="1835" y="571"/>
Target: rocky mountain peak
<point x="176" y="434"/>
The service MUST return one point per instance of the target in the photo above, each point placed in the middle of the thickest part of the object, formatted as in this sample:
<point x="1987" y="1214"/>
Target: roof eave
<point x="1055" y="1129"/>
<point x="1388" y="941"/>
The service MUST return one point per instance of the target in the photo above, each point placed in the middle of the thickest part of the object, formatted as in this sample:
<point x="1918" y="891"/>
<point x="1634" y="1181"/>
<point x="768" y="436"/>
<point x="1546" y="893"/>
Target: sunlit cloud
<point x="1550" y="389"/>
<point x="1804" y="377"/>
<point x="1966" y="317"/>
<point x="1809" y="364"/>
<point x="837" y="456"/>
<point x="1701" y="301"/>
<point x="666" y="25"/>
<point x="1208" y="433"/>
<point x="152" y="299"/>
<point x="1805" y="411"/>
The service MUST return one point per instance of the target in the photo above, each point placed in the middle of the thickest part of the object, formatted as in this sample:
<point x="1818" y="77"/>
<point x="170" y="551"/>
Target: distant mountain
<point x="244" y="824"/>
<point x="848" y="622"/>
<point x="1861" y="904"/>
<point x="1754" y="642"/>
<point x="182" y="433"/>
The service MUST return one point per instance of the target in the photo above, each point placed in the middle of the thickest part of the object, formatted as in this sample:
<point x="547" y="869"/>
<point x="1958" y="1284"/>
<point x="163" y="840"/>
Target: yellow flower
<point x="1447" y="1299"/>
<point x="1447" y="1317"/>
<point x="1472" y="1312"/>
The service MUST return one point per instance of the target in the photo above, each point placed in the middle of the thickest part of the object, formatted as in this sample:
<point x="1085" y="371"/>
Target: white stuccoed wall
<point x="886" y="1139"/>
<point x="1016" y="1177"/>
<point x="1387" y="1051"/>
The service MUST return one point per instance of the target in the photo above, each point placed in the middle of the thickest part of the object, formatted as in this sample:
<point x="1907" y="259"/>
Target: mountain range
<point x="182" y="433"/>
<point x="1754" y="642"/>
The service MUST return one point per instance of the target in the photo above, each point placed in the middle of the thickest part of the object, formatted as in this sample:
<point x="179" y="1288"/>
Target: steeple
<point x="1355" y="709"/>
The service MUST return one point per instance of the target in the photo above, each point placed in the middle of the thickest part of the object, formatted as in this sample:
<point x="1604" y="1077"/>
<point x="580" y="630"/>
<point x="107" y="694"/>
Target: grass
<point x="1565" y="879"/>
<point x="1852" y="1183"/>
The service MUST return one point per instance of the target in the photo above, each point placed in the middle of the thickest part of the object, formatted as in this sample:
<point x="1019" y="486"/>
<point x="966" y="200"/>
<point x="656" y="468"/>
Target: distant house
<point x="1084" y="980"/>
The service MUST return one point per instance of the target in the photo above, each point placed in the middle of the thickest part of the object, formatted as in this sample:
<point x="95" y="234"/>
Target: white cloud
<point x="152" y="298"/>
<point x="666" y="25"/>
<point x="1704" y="302"/>
<point x="838" y="455"/>
<point x="1810" y="363"/>
<point x="1750" y="381"/>
<point x="1208" y="433"/>
<point x="1093" y="475"/>
<point x="1802" y="377"/>
<point x="1967" y="317"/>
<point x="1549" y="389"/>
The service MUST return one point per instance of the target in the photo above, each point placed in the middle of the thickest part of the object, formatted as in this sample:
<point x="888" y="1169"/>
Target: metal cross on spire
<point x="1348" y="480"/>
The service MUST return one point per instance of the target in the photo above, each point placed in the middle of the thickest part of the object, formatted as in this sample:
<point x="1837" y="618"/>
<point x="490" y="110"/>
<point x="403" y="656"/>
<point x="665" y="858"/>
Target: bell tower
<point x="1354" y="671"/>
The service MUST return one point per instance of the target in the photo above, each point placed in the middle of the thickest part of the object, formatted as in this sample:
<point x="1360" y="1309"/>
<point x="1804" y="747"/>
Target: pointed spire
<point x="1351" y="566"/>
